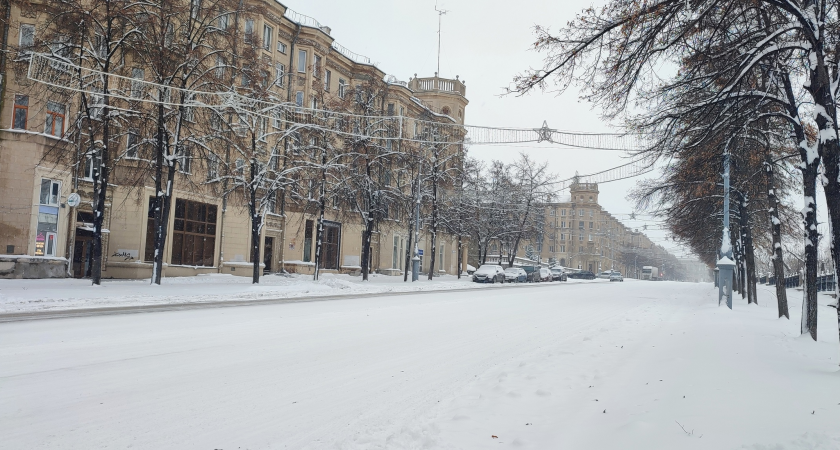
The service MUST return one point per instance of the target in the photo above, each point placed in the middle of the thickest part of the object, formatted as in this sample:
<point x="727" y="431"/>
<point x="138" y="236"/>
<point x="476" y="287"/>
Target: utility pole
<point x="440" y="12"/>
<point x="725" y="265"/>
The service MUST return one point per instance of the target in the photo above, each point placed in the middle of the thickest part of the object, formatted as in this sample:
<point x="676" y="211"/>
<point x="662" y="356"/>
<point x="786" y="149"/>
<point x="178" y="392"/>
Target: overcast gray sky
<point x="486" y="43"/>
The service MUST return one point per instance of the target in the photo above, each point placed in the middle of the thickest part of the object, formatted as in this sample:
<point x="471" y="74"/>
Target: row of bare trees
<point x="755" y="79"/>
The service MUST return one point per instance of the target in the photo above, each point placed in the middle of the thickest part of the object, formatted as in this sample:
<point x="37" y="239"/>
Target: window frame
<point x="302" y="55"/>
<point x="268" y="36"/>
<point x="51" y="118"/>
<point x="25" y="108"/>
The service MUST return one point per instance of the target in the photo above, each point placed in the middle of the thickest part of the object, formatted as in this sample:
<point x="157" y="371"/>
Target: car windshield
<point x="484" y="270"/>
<point x="512" y="270"/>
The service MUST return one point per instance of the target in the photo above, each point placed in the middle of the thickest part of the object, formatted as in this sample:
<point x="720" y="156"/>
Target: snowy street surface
<point x="633" y="365"/>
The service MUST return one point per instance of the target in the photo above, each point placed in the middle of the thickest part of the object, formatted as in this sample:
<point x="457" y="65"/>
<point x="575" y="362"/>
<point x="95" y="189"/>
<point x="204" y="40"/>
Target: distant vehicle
<point x="515" y="275"/>
<point x="606" y="274"/>
<point x="545" y="275"/>
<point x="470" y="269"/>
<point x="650" y="273"/>
<point x="489" y="273"/>
<point x="533" y="273"/>
<point x="616" y="277"/>
<point x="558" y="274"/>
<point x="583" y="275"/>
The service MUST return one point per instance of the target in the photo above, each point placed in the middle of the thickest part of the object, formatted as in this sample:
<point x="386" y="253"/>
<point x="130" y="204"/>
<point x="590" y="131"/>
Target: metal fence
<point x="824" y="282"/>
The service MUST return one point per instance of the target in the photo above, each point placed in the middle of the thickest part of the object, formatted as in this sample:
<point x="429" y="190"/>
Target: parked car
<point x="545" y="275"/>
<point x="515" y="275"/>
<point x="470" y="269"/>
<point x="558" y="274"/>
<point x="489" y="273"/>
<point x="605" y="274"/>
<point x="616" y="277"/>
<point x="583" y="275"/>
<point x="533" y="273"/>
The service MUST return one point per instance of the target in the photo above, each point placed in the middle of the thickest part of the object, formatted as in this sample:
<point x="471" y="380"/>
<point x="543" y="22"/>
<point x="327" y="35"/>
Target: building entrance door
<point x="331" y="245"/>
<point x="82" y="250"/>
<point x="268" y="254"/>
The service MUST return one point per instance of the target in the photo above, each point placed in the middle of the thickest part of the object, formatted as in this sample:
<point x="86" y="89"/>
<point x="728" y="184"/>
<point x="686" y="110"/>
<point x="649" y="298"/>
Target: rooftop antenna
<point x="440" y="12"/>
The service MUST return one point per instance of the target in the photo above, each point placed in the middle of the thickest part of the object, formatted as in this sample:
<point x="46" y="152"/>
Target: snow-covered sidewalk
<point x="27" y="296"/>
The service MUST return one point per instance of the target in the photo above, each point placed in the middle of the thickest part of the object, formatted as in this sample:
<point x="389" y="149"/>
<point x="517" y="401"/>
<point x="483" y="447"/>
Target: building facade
<point x="209" y="232"/>
<point x="578" y="233"/>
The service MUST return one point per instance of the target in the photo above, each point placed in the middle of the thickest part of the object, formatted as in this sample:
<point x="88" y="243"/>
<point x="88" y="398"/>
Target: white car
<point x="616" y="277"/>
<point x="489" y="273"/>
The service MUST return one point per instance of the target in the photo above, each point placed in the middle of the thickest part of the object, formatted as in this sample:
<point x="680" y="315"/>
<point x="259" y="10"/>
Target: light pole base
<point x="415" y="268"/>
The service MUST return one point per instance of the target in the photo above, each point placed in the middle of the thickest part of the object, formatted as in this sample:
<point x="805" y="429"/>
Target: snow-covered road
<point x="590" y="365"/>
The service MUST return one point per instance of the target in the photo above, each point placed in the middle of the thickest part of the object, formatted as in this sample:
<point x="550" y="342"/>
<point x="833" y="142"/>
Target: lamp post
<point x="725" y="264"/>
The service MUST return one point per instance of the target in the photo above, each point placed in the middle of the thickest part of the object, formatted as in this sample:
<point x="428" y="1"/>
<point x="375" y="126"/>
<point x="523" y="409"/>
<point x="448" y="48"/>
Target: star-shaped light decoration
<point x="544" y="133"/>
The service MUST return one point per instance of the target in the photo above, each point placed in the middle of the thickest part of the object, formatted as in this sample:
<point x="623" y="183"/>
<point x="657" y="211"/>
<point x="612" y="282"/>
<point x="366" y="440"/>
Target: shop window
<point x="47" y="231"/>
<point x="194" y="234"/>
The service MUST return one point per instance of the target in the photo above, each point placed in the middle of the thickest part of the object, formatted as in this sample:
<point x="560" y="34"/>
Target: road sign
<point x="420" y="252"/>
<point x="73" y="200"/>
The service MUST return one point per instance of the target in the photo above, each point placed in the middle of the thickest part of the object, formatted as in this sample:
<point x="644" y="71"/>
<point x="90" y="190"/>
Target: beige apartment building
<point x="44" y="236"/>
<point x="580" y="234"/>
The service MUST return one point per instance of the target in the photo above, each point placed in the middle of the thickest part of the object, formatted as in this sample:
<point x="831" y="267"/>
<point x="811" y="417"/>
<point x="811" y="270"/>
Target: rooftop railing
<point x="432" y="84"/>
<point x="307" y="21"/>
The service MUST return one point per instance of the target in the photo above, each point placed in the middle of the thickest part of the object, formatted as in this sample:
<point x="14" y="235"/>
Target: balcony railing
<point x="307" y="21"/>
<point x="437" y="84"/>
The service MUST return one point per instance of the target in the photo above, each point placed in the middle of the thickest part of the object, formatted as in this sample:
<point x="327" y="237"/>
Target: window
<point x="551" y="248"/>
<point x="249" y="31"/>
<point x="591" y="225"/>
<point x="96" y="104"/>
<point x="21" y="114"/>
<point x="327" y="78"/>
<point x="185" y="159"/>
<point x="301" y="61"/>
<point x="224" y="22"/>
<point x="271" y="203"/>
<point x="220" y="66"/>
<point x="50" y="192"/>
<point x="342" y="88"/>
<point x="402" y="111"/>
<point x="132" y="145"/>
<point x="317" y="66"/>
<point x="267" y="36"/>
<point x="93" y="164"/>
<point x="169" y="36"/>
<point x="212" y="167"/>
<point x="562" y="212"/>
<point x="314" y="102"/>
<point x="246" y="78"/>
<point x="26" y="39"/>
<point x="590" y="238"/>
<point x="562" y="250"/>
<point x="195" y="7"/>
<point x="562" y="224"/>
<point x="262" y="133"/>
<point x="194" y="234"/>
<point x="280" y="74"/>
<point x="240" y="167"/>
<point x="55" y="119"/>
<point x="580" y="224"/>
<point x="580" y="212"/>
<point x="277" y="114"/>
<point x="390" y="109"/>
<point x="281" y="47"/>
<point x="580" y="237"/>
<point x="552" y="212"/>
<point x="562" y="236"/>
<point x="299" y="98"/>
<point x="46" y="237"/>
<point x="591" y="212"/>
<point x="137" y="77"/>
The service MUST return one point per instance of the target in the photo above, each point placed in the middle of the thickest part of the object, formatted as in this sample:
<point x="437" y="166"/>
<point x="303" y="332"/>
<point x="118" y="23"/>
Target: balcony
<point x="437" y="84"/>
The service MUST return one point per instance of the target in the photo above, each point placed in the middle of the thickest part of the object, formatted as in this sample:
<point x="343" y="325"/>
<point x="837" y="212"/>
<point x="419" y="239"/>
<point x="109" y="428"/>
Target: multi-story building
<point x="580" y="234"/>
<point x="208" y="231"/>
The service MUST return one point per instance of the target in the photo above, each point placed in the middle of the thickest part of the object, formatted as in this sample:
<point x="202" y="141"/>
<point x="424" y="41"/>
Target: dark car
<point x="533" y="273"/>
<point x="546" y="275"/>
<point x="489" y="273"/>
<point x="583" y="275"/>
<point x="558" y="274"/>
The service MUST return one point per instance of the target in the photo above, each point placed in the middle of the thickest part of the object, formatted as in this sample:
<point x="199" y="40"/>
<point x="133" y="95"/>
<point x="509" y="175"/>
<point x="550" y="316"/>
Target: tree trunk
<point x="809" y="181"/>
<point x="409" y="249"/>
<point x="433" y="254"/>
<point x="749" y="278"/>
<point x="256" y="218"/>
<point x="322" y="204"/>
<point x="160" y="229"/>
<point x="460" y="258"/>
<point x="776" y="228"/>
<point x="366" y="251"/>
<point x="101" y="182"/>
